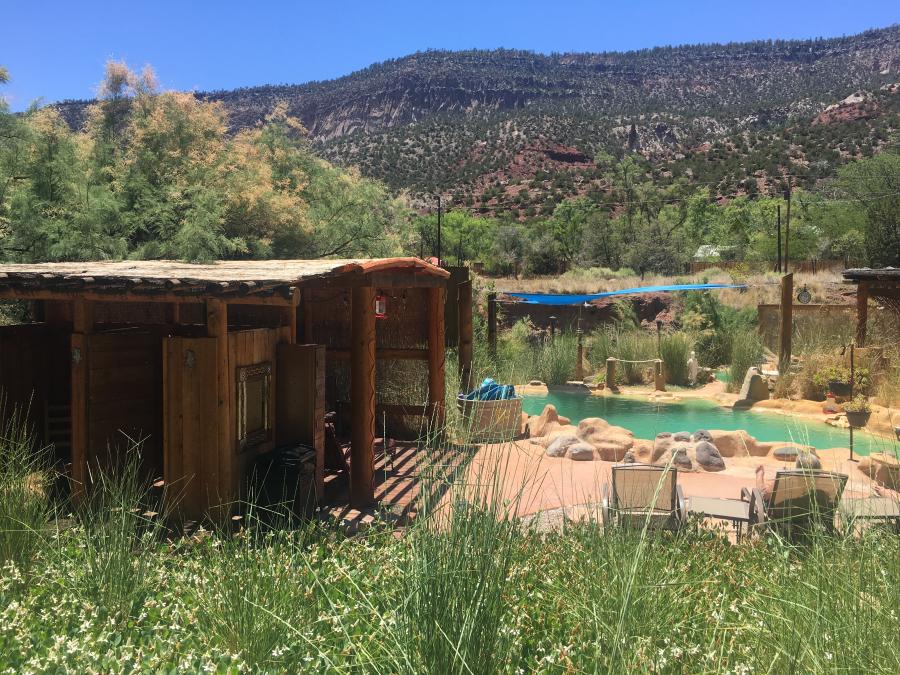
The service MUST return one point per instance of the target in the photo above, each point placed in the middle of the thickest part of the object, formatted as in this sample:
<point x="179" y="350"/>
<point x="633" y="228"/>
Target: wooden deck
<point x="402" y="479"/>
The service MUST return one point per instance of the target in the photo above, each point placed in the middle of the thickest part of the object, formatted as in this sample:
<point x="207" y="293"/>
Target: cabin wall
<point x="249" y="348"/>
<point x="124" y="384"/>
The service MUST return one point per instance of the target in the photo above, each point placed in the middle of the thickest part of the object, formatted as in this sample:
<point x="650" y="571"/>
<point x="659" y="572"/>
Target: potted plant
<point x="837" y="379"/>
<point x="858" y="411"/>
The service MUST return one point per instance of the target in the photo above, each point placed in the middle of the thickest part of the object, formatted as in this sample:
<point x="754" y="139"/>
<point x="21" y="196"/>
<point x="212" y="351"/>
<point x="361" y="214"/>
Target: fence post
<point x="492" y="323"/>
<point x="787" y="323"/>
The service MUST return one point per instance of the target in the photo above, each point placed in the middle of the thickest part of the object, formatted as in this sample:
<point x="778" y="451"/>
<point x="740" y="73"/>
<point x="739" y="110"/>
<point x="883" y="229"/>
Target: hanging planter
<point x="840" y="387"/>
<point x="858" y="412"/>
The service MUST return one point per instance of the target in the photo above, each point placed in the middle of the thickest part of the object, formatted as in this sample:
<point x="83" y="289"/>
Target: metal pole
<point x="852" y="383"/>
<point x="778" y="257"/>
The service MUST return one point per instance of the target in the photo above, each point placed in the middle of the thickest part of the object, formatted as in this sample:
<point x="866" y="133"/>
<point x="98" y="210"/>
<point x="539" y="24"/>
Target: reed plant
<point x="746" y="352"/>
<point x="675" y="351"/>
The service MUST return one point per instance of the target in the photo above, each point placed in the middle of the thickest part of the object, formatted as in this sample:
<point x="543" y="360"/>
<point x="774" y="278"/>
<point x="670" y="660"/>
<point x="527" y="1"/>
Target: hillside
<point x="515" y="132"/>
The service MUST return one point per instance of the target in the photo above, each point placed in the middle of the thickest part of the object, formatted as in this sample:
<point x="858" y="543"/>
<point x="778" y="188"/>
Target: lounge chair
<point x="800" y="500"/>
<point x="640" y="493"/>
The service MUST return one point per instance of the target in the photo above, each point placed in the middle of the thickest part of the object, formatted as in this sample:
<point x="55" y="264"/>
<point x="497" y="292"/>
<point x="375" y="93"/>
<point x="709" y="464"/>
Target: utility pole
<point x="778" y="259"/>
<point x="440" y="207"/>
<point x="787" y="228"/>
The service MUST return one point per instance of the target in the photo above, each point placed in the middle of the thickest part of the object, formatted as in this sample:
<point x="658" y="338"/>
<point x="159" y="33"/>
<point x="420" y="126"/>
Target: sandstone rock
<point x="682" y="437"/>
<point x="701" y="435"/>
<point x="754" y="389"/>
<point x="661" y="446"/>
<point x="581" y="452"/>
<point x="535" y="383"/>
<point x="537" y="424"/>
<point x="611" y="443"/>
<point x="642" y="451"/>
<point x="561" y="444"/>
<point x="734" y="443"/>
<point x="555" y="432"/>
<point x="708" y="456"/>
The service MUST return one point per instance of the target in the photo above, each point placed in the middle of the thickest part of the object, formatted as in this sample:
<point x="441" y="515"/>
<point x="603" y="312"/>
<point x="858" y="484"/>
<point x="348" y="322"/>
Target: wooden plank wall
<point x="191" y="432"/>
<point x="248" y="348"/>
<point x="124" y="384"/>
<point x="25" y="361"/>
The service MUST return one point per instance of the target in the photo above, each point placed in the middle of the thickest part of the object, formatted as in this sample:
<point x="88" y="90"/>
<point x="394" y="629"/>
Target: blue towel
<point x="491" y="391"/>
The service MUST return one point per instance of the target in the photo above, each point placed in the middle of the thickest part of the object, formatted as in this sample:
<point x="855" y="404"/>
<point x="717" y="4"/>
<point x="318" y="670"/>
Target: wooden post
<point x="362" y="396"/>
<point x="611" y="373"/>
<point x="579" y="356"/>
<point x="787" y="323"/>
<point x="306" y="316"/>
<point x="173" y="313"/>
<point x="492" y="323"/>
<point x="217" y="484"/>
<point x="82" y="326"/>
<point x="289" y="315"/>
<point x="787" y="229"/>
<point x="659" y="375"/>
<point x="465" y="335"/>
<point x="436" y="354"/>
<point x="862" y="312"/>
<point x="778" y="254"/>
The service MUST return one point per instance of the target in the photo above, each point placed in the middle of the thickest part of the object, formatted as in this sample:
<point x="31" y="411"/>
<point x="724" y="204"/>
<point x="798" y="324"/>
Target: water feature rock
<point x="629" y="458"/>
<point x="708" y="456"/>
<point x="610" y="442"/>
<point x="581" y="452"/>
<point x="681" y="437"/>
<point x="737" y="443"/>
<point x="661" y="446"/>
<point x="754" y="389"/>
<point x="561" y="444"/>
<point x="702" y="435"/>
<point x="543" y="424"/>
<point x="681" y="459"/>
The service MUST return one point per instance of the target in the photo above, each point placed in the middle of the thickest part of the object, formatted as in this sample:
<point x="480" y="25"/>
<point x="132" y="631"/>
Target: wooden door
<point x="190" y="424"/>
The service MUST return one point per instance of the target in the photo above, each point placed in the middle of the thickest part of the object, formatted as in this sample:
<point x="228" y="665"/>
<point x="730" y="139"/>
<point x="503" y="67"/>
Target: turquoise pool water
<point x="646" y="419"/>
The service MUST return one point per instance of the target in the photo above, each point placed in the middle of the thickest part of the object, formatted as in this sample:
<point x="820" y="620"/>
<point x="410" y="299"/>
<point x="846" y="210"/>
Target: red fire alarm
<point x="380" y="307"/>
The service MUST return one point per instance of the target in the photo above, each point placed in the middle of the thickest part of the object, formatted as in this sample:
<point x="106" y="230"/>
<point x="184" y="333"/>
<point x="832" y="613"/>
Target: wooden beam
<point x="82" y="325"/>
<point x="383" y="354"/>
<point x="464" y="306"/>
<point x="436" y="354"/>
<point x="408" y="279"/>
<point x="289" y="316"/>
<point x="173" y="313"/>
<point x="306" y="316"/>
<point x="216" y="484"/>
<point x="787" y="323"/>
<point x="362" y="397"/>
<point x="862" y="312"/>
<point x="492" y="322"/>
<point x="10" y="293"/>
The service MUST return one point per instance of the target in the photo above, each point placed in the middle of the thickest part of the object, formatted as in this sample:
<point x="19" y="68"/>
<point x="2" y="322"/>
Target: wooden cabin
<point x="881" y="285"/>
<point x="212" y="365"/>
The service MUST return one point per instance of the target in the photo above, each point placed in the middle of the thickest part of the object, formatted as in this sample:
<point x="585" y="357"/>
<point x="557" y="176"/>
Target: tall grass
<point x="557" y="359"/>
<point x="675" y="350"/>
<point x="746" y="352"/>
<point x="25" y="506"/>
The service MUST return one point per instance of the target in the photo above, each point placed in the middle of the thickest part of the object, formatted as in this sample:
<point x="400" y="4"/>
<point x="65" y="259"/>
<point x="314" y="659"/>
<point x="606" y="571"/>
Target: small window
<point x="253" y="405"/>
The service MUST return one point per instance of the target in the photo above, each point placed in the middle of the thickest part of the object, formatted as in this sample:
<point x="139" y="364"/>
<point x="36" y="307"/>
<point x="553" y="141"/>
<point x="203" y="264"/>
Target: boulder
<point x="681" y="437"/>
<point x="555" y="432"/>
<point x="755" y="388"/>
<point x="545" y="423"/>
<point x="701" y="435"/>
<point x="787" y="453"/>
<point x="734" y="443"/>
<point x="708" y="456"/>
<point x="561" y="444"/>
<point x="661" y="446"/>
<point x="611" y="443"/>
<point x="629" y="458"/>
<point x="681" y="458"/>
<point x="581" y="452"/>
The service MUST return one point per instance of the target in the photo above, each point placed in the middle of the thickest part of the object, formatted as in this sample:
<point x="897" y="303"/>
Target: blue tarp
<point x="554" y="299"/>
<point x="490" y="391"/>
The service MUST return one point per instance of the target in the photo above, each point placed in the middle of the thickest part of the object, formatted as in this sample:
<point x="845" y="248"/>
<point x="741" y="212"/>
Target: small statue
<point x="693" y="368"/>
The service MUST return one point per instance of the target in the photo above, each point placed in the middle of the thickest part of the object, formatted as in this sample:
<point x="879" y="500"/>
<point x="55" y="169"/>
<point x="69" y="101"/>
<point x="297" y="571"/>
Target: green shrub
<point x="557" y="358"/>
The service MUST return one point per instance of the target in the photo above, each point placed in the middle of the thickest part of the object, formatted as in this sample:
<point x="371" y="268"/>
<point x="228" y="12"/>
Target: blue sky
<point x="56" y="50"/>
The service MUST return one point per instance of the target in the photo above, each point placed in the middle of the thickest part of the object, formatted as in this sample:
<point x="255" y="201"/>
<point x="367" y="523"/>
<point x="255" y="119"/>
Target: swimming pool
<point x="645" y="419"/>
